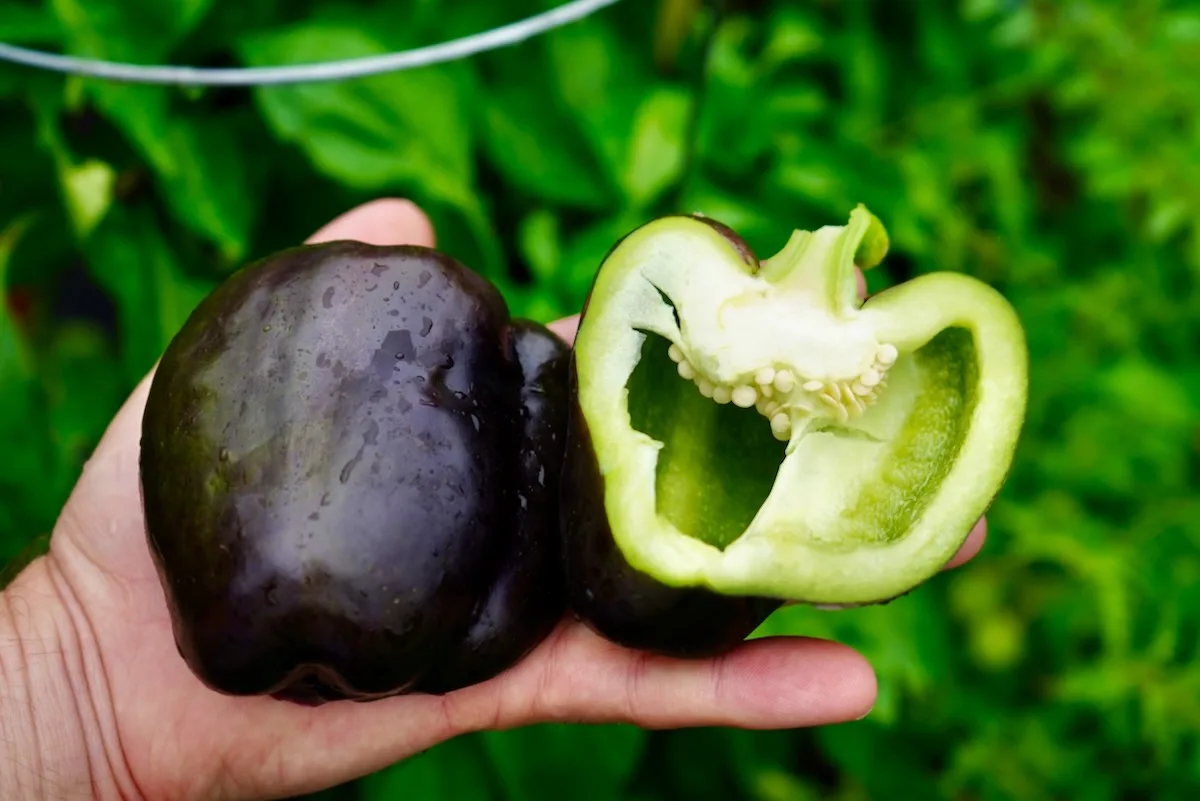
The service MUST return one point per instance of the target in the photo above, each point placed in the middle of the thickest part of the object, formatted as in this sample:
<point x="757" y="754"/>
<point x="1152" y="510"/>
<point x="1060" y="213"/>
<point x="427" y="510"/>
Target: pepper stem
<point x="821" y="263"/>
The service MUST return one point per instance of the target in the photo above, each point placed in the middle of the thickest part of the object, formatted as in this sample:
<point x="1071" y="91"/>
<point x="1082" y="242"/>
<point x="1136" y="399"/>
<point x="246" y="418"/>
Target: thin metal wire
<point x="496" y="38"/>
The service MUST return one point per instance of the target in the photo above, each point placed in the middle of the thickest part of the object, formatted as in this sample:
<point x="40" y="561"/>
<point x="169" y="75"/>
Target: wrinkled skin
<point x="349" y="464"/>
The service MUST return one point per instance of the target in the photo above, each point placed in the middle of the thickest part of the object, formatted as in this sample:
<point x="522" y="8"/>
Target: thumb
<point x="387" y="221"/>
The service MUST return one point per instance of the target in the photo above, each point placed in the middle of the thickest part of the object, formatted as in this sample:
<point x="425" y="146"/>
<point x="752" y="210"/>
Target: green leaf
<point x="792" y="35"/>
<point x="87" y="187"/>
<point x="16" y="362"/>
<point x="696" y="764"/>
<point x="733" y="131"/>
<point x="199" y="163"/>
<point x="1148" y="392"/>
<point x="374" y="132"/>
<point x="455" y="770"/>
<point x="657" y="149"/>
<point x="407" y="131"/>
<point x="582" y="255"/>
<point x="537" y="302"/>
<point x="83" y="388"/>
<point x="138" y="30"/>
<point x="864" y="750"/>
<point x="540" y="242"/>
<point x="599" y="82"/>
<point x="596" y="762"/>
<point x="206" y="183"/>
<point x="676" y="24"/>
<point x="763" y="763"/>
<point x="130" y="258"/>
<point x="538" y="150"/>
<point x="88" y="190"/>
<point x="22" y="23"/>
<point x="22" y="422"/>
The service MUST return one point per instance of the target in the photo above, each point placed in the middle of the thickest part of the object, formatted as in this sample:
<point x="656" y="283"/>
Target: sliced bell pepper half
<point x="747" y="432"/>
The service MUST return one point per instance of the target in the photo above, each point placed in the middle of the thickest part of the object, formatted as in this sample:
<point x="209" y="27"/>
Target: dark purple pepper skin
<point x="335" y="451"/>
<point x="528" y="598"/>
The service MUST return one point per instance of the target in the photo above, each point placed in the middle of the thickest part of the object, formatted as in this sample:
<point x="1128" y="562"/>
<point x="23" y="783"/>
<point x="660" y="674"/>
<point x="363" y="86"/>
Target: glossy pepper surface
<point x="746" y="432"/>
<point x="350" y="460"/>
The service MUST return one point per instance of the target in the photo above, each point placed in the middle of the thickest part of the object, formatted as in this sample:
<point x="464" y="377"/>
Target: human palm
<point x="165" y="735"/>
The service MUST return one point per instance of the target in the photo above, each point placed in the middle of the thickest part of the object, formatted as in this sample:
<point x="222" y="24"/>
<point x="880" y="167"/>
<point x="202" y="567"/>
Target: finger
<point x="566" y="328"/>
<point x="971" y="547"/>
<point x="769" y="683"/>
<point x="576" y="676"/>
<point x="387" y="221"/>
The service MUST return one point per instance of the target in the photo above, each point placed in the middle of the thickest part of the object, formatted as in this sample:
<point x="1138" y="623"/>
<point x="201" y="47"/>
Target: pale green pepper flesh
<point x="719" y="462"/>
<point x="760" y="431"/>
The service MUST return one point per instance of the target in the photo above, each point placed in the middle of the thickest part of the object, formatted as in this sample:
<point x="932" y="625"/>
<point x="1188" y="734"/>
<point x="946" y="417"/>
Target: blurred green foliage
<point x="1050" y="148"/>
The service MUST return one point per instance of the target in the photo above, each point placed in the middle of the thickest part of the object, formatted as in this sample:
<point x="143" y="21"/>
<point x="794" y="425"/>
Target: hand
<point x="112" y="690"/>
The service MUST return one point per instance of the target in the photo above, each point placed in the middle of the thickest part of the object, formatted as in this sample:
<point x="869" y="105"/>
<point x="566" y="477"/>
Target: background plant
<point x="1050" y="148"/>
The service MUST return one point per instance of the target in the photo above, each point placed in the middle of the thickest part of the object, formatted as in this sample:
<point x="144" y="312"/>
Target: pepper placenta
<point x="350" y="468"/>
<point x="747" y="432"/>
